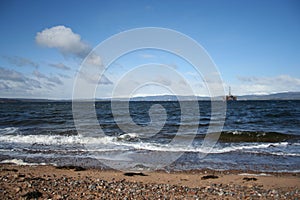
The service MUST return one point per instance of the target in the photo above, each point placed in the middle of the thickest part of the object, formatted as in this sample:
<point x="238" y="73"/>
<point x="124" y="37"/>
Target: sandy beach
<point x="50" y="182"/>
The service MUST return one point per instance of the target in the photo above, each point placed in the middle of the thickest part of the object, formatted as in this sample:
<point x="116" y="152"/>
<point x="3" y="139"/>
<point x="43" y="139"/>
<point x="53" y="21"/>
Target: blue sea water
<point x="257" y="135"/>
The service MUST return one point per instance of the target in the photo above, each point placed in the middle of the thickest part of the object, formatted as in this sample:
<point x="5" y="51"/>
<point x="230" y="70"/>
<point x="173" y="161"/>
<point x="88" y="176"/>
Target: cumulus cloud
<point x="11" y="79"/>
<point x="55" y="79"/>
<point x="265" y="85"/>
<point x="68" y="43"/>
<point x="64" y="75"/>
<point x="38" y="74"/>
<point x="11" y="75"/>
<point x="64" y="39"/>
<point x="20" y="61"/>
<point x="52" y="79"/>
<point x="164" y="80"/>
<point x="4" y="86"/>
<point x="104" y="80"/>
<point x="282" y="79"/>
<point x="94" y="79"/>
<point x="37" y="85"/>
<point x="93" y="60"/>
<point x="59" y="66"/>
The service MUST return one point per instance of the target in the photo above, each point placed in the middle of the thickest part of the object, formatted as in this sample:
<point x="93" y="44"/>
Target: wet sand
<point x="49" y="182"/>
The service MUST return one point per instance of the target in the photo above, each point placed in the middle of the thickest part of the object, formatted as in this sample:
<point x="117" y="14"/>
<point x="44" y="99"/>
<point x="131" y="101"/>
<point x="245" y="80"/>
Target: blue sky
<point x="255" y="44"/>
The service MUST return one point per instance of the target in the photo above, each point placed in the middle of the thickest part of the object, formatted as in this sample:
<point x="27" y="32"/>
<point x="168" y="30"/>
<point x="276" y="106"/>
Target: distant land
<point x="275" y="96"/>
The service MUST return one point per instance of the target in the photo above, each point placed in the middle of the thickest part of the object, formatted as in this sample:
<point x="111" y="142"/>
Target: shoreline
<point x="67" y="182"/>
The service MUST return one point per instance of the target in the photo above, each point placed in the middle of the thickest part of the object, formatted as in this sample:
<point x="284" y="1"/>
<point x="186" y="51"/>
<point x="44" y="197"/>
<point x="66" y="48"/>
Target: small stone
<point x="17" y="189"/>
<point x="57" y="197"/>
<point x="21" y="179"/>
<point x="92" y="187"/>
<point x="33" y="195"/>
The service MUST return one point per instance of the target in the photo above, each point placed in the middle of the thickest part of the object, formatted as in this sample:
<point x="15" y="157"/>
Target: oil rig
<point x="230" y="97"/>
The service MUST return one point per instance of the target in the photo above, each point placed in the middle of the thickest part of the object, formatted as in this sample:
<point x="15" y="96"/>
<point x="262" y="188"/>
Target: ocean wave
<point x="53" y="139"/>
<point x="130" y="141"/>
<point x="8" y="130"/>
<point x="247" y="146"/>
<point x="254" y="136"/>
<point x="21" y="162"/>
<point x="274" y="153"/>
<point x="199" y="149"/>
<point x="237" y="136"/>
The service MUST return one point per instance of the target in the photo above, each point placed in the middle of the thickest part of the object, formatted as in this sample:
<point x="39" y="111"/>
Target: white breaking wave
<point x="110" y="143"/>
<point x="215" y="150"/>
<point x="248" y="174"/>
<point x="128" y="135"/>
<point x="238" y="147"/>
<point x="275" y="153"/>
<point x="284" y="154"/>
<point x="21" y="162"/>
<point x="8" y="130"/>
<point x="53" y="139"/>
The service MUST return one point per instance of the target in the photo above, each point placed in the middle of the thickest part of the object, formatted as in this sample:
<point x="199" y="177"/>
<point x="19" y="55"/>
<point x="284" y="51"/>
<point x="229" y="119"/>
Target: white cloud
<point x="11" y="75"/>
<point x="64" y="76"/>
<point x="38" y="74"/>
<point x="52" y="79"/>
<point x="59" y="66"/>
<point x="64" y="39"/>
<point x="164" y="80"/>
<point x="16" y="81"/>
<point x="92" y="78"/>
<point x="14" y="84"/>
<point x="20" y="61"/>
<point x="266" y="85"/>
<point x="93" y="60"/>
<point x="68" y="43"/>
<point x="4" y="86"/>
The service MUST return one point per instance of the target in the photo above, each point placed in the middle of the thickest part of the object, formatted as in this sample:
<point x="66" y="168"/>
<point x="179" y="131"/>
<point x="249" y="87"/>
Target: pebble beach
<point x="68" y="182"/>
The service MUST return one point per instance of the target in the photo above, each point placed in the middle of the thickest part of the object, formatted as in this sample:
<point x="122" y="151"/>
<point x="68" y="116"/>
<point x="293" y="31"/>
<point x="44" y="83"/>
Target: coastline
<point x="50" y="182"/>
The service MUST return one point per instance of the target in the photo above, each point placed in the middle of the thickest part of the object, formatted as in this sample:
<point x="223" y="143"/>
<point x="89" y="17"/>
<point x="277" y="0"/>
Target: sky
<point x="255" y="45"/>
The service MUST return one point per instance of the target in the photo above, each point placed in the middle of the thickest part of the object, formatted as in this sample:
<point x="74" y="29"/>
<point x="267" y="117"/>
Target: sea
<point x="259" y="136"/>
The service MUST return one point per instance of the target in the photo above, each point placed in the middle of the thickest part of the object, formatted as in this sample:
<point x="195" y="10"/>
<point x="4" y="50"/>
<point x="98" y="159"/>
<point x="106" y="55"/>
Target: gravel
<point x="25" y="186"/>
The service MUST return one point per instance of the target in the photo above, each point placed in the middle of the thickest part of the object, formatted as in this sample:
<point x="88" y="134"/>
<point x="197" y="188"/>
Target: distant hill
<point x="276" y="96"/>
<point x="19" y="100"/>
<point x="168" y="98"/>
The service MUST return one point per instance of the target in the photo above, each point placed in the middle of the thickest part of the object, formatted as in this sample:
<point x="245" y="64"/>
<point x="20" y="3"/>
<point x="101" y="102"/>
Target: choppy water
<point x="257" y="135"/>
